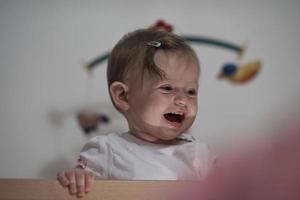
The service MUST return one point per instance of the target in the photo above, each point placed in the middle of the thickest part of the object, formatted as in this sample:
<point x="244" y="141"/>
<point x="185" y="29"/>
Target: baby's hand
<point x="77" y="180"/>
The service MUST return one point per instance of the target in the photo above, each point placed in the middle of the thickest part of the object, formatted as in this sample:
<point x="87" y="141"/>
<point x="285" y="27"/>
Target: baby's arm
<point x="92" y="162"/>
<point x="78" y="180"/>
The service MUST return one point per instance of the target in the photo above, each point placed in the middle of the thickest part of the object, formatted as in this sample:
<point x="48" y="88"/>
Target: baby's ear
<point x="119" y="91"/>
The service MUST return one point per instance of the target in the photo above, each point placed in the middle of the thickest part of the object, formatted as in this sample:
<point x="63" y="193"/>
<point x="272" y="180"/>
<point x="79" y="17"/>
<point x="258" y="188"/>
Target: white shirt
<point x="126" y="157"/>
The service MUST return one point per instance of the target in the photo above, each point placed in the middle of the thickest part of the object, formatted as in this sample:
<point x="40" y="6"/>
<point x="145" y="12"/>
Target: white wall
<point x="43" y="42"/>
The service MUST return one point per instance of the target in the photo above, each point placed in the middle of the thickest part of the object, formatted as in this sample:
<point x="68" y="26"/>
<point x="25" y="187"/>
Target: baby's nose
<point x="180" y="99"/>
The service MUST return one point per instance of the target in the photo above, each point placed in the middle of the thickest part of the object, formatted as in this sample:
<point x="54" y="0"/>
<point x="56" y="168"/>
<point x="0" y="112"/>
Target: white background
<point x="42" y="82"/>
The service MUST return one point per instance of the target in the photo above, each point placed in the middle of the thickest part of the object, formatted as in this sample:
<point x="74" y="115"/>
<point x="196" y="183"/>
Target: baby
<point x="153" y="79"/>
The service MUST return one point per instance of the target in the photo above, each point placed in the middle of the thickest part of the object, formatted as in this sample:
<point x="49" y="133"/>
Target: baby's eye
<point x="166" y="88"/>
<point x="192" y="92"/>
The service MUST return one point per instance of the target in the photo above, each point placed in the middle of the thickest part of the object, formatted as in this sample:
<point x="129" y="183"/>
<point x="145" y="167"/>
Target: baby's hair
<point x="136" y="50"/>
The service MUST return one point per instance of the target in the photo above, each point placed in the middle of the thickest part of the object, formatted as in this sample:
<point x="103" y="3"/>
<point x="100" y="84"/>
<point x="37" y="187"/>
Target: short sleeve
<point x="94" y="157"/>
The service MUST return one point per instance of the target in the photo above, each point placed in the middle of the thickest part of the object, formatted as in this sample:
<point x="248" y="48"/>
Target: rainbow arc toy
<point x="234" y="73"/>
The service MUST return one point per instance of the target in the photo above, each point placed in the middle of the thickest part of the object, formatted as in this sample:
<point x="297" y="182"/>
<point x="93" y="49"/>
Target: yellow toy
<point x="240" y="74"/>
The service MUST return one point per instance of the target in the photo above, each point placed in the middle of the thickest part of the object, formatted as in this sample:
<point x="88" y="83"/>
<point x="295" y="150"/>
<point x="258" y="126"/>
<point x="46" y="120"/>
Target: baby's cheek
<point x="193" y="107"/>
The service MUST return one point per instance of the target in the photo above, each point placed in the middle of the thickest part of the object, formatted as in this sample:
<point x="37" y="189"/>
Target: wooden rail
<point x="15" y="189"/>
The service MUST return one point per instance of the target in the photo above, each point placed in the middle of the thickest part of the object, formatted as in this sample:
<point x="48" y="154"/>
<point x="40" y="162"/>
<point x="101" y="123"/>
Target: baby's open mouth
<point x="174" y="117"/>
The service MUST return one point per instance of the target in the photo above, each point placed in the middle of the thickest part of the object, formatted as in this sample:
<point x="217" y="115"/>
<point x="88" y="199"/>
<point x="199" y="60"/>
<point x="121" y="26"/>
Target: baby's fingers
<point x="89" y="180"/>
<point x="80" y="183"/>
<point x="72" y="181"/>
<point x="61" y="177"/>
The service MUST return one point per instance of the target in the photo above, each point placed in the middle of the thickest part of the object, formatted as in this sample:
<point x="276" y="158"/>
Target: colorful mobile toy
<point x="232" y="72"/>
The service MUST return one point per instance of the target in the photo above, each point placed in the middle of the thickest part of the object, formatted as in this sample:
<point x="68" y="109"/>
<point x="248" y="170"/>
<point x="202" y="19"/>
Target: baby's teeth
<point x="177" y="113"/>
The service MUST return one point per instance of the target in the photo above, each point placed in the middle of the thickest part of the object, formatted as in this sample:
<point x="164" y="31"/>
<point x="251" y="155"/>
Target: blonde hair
<point x="136" y="50"/>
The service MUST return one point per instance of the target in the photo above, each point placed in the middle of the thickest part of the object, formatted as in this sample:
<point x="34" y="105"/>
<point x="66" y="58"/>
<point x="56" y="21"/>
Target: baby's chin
<point x="161" y="131"/>
<point x="169" y="134"/>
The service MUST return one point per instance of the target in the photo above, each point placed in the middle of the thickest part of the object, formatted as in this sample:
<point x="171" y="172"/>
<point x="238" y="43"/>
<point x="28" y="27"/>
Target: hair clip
<point x="154" y="44"/>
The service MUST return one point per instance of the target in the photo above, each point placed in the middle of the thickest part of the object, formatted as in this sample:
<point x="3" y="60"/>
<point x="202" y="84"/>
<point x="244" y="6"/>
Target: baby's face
<point x="161" y="109"/>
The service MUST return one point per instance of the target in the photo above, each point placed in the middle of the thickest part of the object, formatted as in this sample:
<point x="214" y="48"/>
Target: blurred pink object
<point x="269" y="169"/>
